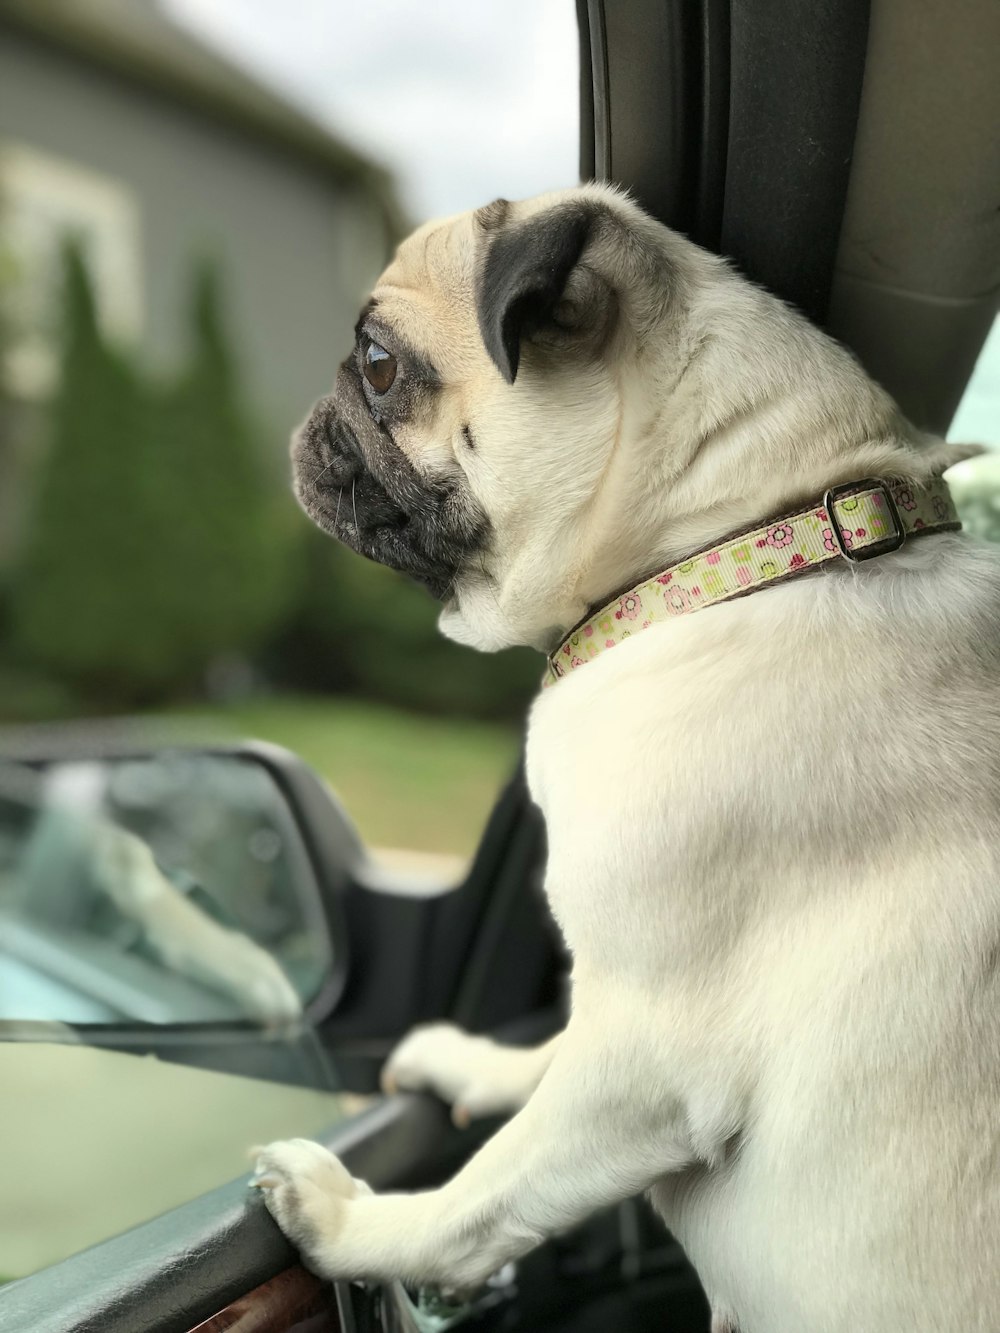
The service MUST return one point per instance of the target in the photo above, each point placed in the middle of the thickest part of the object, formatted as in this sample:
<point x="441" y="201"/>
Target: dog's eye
<point x="379" y="368"/>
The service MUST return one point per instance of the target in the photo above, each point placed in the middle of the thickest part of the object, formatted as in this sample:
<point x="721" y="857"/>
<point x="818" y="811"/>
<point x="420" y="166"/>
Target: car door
<point x="481" y="949"/>
<point x="485" y="953"/>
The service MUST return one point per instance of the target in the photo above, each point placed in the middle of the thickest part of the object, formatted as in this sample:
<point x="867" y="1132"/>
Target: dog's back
<point x="827" y="815"/>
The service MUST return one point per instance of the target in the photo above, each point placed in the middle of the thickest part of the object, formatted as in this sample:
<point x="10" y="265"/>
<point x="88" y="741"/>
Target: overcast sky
<point x="464" y="100"/>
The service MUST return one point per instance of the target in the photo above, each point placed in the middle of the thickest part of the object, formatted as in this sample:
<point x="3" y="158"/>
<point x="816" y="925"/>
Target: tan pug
<point x="773" y="826"/>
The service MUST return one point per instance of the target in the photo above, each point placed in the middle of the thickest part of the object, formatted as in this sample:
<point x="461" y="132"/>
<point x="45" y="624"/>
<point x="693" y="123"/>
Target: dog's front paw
<point x="308" y="1192"/>
<point x="254" y="979"/>
<point x="466" y="1071"/>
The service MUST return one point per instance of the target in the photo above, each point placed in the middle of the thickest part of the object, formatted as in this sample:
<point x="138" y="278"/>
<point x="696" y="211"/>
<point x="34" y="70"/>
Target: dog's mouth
<point x="388" y="515"/>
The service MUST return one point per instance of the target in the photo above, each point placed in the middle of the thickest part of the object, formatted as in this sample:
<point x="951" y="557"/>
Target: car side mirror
<point x="174" y="886"/>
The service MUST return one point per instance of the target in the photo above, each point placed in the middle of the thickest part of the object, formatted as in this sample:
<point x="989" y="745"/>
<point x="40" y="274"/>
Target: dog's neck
<point x="750" y="427"/>
<point x="720" y="425"/>
<point x="854" y="522"/>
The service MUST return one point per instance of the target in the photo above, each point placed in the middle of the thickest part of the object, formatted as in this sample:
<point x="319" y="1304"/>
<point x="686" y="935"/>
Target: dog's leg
<point x="475" y="1075"/>
<point x="182" y="936"/>
<point x="606" y="1121"/>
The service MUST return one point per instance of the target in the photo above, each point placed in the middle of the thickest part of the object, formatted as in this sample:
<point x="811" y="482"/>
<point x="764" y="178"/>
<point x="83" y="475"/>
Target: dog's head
<point x="522" y="421"/>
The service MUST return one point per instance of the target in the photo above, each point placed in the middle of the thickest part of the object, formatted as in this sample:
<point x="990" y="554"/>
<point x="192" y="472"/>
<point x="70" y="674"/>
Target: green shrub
<point x="156" y="543"/>
<point x="365" y="629"/>
<point x="227" y="559"/>
<point x="80" y="601"/>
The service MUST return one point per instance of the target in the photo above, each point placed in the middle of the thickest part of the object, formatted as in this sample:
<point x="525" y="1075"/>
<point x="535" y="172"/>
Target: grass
<point x="408" y="781"/>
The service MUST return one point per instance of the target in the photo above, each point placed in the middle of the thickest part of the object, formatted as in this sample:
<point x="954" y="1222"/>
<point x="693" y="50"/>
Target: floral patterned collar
<point x="853" y="522"/>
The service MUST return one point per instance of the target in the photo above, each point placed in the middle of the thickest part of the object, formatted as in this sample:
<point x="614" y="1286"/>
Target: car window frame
<point x="328" y="839"/>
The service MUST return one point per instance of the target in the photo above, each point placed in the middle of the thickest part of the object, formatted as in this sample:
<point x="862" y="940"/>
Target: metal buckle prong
<point x="881" y="547"/>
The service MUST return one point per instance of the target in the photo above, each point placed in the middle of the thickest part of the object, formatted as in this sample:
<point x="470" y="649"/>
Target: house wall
<point x="298" y="250"/>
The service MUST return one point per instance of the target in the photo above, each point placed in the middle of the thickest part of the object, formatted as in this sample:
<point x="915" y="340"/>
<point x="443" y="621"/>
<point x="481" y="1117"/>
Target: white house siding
<point x="298" y="248"/>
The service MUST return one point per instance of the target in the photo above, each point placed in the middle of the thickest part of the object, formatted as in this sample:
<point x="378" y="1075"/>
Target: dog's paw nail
<point x="388" y="1083"/>
<point x="460" y="1117"/>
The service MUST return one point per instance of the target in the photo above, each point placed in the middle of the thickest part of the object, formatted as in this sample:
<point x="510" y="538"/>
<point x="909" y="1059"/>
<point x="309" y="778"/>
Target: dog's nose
<point x="339" y="472"/>
<point x="342" y="464"/>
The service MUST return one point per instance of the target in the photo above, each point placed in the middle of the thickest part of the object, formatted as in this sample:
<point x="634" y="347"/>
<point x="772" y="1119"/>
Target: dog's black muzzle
<point x="373" y="501"/>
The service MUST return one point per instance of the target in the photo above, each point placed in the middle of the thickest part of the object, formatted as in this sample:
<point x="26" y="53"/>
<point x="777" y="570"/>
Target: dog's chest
<point x="621" y="790"/>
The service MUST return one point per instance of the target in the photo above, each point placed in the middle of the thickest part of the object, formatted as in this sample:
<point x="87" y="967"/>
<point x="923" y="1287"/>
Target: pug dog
<point x="773" y="825"/>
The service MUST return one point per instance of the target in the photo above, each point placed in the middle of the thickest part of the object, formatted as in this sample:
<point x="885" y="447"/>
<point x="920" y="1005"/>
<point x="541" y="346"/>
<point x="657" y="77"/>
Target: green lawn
<point x="407" y="781"/>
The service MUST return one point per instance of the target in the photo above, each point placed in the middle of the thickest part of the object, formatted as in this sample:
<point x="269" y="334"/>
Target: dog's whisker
<point x="354" y="506"/>
<point x="340" y="496"/>
<point x="318" y="477"/>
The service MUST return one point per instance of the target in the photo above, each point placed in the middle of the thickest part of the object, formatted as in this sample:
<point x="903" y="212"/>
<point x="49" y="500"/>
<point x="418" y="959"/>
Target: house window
<point x="44" y="200"/>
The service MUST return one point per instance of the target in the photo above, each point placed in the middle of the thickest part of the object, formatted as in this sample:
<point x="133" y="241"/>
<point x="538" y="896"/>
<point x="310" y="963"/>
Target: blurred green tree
<point x="81" y="588"/>
<point x="233" y="525"/>
<point x="155" y="542"/>
<point x="364" y="629"/>
<point x="6" y="418"/>
<point x="7" y="276"/>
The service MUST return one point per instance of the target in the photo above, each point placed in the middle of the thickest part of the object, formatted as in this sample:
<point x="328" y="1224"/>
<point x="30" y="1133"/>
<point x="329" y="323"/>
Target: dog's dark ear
<point x="524" y="275"/>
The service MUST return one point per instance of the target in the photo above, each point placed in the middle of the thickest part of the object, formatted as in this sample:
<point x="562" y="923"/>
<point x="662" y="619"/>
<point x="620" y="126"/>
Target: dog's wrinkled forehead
<point x="426" y="295"/>
<point x="475" y="285"/>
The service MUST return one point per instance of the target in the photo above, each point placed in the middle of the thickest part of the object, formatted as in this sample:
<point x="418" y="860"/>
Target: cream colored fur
<point x="774" y="829"/>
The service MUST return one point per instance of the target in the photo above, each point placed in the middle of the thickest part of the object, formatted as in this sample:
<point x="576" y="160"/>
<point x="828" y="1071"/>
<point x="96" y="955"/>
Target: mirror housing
<point x="162" y="956"/>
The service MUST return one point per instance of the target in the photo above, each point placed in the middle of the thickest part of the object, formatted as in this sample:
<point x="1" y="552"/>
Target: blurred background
<point x="195" y="197"/>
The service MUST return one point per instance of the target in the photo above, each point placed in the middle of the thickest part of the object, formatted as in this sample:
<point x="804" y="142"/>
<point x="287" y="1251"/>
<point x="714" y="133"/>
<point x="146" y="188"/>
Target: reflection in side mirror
<point x="162" y="888"/>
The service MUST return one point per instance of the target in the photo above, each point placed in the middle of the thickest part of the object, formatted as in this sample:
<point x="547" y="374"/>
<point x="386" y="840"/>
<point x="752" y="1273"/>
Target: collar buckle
<point x="892" y="542"/>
